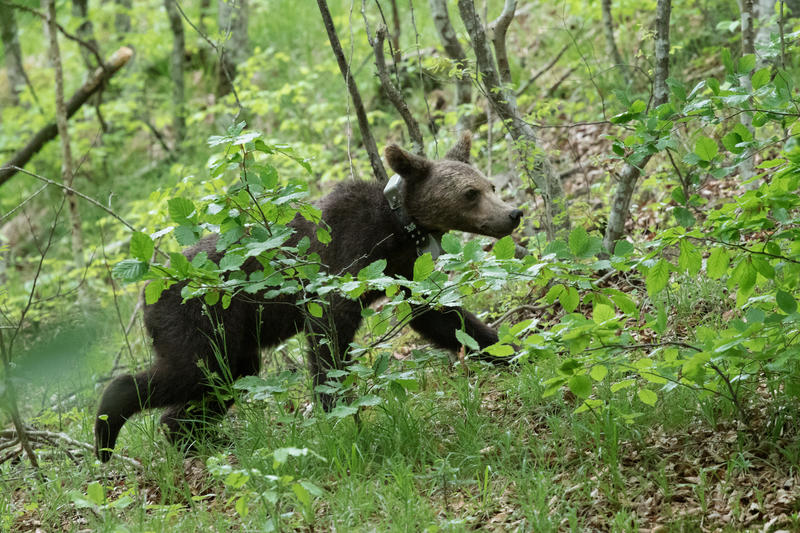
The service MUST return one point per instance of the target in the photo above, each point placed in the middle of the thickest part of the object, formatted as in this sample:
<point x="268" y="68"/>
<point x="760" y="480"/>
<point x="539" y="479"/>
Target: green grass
<point x="481" y="450"/>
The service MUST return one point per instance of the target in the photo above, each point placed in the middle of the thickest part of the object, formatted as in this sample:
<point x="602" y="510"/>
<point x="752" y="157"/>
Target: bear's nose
<point x="515" y="216"/>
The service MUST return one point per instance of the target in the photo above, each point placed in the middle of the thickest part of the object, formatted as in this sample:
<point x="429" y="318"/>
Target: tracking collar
<point x="425" y="241"/>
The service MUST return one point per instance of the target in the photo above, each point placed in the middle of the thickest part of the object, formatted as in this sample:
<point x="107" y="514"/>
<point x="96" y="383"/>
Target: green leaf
<point x="763" y="266"/>
<point x="96" y="493"/>
<point x="690" y="258"/>
<point x="657" y="277"/>
<point x="153" y="290"/>
<point x="647" y="396"/>
<point x="717" y="264"/>
<point x="623" y="248"/>
<point x="569" y="299"/>
<point x="683" y="216"/>
<point x="504" y="248"/>
<point x="625" y="304"/>
<point x="315" y="309"/>
<point x="464" y="338"/>
<point x="746" y="63"/>
<point x="580" y="385"/>
<point x="499" y="350"/>
<point x="423" y="267"/>
<point x="727" y="60"/>
<point x="180" y="209"/>
<point x="451" y="244"/>
<point x="730" y="140"/>
<point x="638" y="106"/>
<point x="231" y="261"/>
<point x="786" y="302"/>
<point x="342" y="411"/>
<point x="598" y="372"/>
<point x="602" y="313"/>
<point x="372" y="270"/>
<point x="141" y="246"/>
<point x="760" y="78"/>
<point x="323" y="236"/>
<point x="624" y="384"/>
<point x="706" y="148"/>
<point x="185" y="235"/>
<point x="129" y="270"/>
<point x="578" y="241"/>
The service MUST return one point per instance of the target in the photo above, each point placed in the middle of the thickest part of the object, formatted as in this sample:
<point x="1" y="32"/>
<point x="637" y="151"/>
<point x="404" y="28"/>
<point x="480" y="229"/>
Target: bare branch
<point x="394" y="95"/>
<point x="498" y="29"/>
<point x="539" y="73"/>
<point x="358" y="104"/>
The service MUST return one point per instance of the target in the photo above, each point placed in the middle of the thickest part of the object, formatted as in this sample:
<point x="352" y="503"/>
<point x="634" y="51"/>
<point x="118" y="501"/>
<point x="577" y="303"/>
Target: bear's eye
<point x="494" y="189"/>
<point x="472" y="194"/>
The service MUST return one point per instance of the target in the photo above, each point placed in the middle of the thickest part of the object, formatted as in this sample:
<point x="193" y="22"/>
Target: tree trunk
<point x="746" y="167"/>
<point x="620" y="204"/>
<point x="611" y="43"/>
<point x="453" y="49"/>
<point x="764" y="11"/>
<point x="363" y="124"/>
<point x="177" y="67"/>
<point x="232" y="20"/>
<point x="535" y="165"/>
<point x="66" y="151"/>
<point x="10" y="37"/>
<point x="80" y="10"/>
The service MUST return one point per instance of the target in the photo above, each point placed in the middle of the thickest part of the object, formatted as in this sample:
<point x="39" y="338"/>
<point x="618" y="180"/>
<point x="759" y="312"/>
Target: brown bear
<point x="192" y="341"/>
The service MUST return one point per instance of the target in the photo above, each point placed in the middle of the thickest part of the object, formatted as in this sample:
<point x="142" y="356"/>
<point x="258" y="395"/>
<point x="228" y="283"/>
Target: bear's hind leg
<point x="126" y="395"/>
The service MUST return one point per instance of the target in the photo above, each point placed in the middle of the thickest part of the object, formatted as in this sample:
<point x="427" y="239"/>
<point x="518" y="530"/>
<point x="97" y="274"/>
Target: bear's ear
<point x="409" y="166"/>
<point x="460" y="152"/>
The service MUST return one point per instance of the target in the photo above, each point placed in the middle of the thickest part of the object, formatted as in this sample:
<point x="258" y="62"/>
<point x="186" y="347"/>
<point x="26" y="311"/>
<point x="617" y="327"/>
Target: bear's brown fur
<point x="192" y="343"/>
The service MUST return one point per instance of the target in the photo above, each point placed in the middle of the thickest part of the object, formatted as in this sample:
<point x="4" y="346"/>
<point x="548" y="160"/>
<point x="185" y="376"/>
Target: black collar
<point x="424" y="239"/>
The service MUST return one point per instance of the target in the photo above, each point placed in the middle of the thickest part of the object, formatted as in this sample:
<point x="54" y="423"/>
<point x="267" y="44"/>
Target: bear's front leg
<point x="440" y="325"/>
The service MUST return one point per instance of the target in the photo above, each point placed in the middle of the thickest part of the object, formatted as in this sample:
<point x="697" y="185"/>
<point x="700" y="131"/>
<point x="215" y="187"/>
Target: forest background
<point x="649" y="302"/>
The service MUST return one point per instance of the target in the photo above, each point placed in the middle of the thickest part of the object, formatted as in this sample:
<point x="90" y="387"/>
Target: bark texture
<point x="626" y="185"/>
<point x="536" y="166"/>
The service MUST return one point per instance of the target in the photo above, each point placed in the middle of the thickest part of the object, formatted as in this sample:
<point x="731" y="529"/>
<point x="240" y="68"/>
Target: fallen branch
<point x="117" y="60"/>
<point x="41" y="438"/>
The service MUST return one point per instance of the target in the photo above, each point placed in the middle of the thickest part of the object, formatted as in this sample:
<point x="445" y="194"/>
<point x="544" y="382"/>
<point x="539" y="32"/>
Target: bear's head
<point x="451" y="194"/>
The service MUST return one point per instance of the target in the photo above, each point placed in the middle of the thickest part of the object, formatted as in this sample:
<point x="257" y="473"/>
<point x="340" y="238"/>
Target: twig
<point x="218" y="50"/>
<point x="539" y="73"/>
<point x="524" y="307"/>
<point x="394" y="95"/>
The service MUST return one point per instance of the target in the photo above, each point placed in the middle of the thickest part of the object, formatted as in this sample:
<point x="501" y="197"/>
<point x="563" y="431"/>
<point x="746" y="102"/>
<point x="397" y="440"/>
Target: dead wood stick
<point x="117" y="60"/>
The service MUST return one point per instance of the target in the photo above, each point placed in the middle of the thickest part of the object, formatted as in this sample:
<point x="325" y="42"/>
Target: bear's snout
<point x="515" y="216"/>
